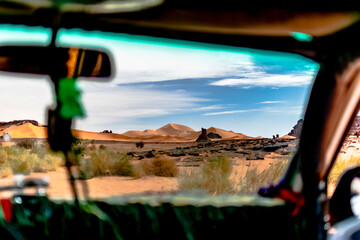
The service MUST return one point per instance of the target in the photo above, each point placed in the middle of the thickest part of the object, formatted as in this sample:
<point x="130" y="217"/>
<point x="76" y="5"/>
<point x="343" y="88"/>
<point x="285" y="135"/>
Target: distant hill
<point x="169" y="133"/>
<point x="181" y="132"/>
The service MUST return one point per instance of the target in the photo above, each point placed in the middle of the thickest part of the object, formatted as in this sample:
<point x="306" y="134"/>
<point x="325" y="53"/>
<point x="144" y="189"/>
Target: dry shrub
<point x="102" y="147"/>
<point x="5" y="169"/>
<point x="254" y="180"/>
<point x="107" y="163"/>
<point x="342" y="164"/>
<point x="19" y="160"/>
<point x="213" y="176"/>
<point x="27" y="144"/>
<point x="139" y="144"/>
<point x="157" y="166"/>
<point x="3" y="157"/>
<point x="48" y="163"/>
<point x="220" y="163"/>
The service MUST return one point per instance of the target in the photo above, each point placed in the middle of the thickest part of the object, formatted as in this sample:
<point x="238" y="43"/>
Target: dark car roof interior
<point x="227" y="22"/>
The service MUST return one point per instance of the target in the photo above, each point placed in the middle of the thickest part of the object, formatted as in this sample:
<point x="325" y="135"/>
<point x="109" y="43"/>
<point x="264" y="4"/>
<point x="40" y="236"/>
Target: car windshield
<point x="176" y="116"/>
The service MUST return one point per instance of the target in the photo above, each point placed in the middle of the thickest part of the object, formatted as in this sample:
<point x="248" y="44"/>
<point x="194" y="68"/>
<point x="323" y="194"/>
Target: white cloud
<point x="153" y="66"/>
<point x="271" y="102"/>
<point x="207" y="108"/>
<point x="231" y="112"/>
<point x="261" y="79"/>
<point x="294" y="110"/>
<point x="124" y="103"/>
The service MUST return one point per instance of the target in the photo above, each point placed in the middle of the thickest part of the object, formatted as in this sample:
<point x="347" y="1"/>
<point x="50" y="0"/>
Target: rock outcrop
<point x="203" y="136"/>
<point x="107" y="131"/>
<point x="18" y="123"/>
<point x="213" y="135"/>
<point x="296" y="131"/>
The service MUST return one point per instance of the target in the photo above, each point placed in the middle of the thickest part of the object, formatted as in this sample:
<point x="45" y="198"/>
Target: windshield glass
<point x="176" y="116"/>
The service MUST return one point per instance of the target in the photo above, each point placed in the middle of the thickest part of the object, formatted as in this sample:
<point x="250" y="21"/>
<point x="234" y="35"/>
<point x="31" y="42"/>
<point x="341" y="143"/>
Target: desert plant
<point x="158" y="166"/>
<point x="212" y="176"/>
<point x="102" y="147"/>
<point x="106" y="163"/>
<point x="27" y="144"/>
<point x="253" y="180"/>
<point x="48" y="163"/>
<point x="342" y="164"/>
<point x="222" y="163"/>
<point x="19" y="160"/>
<point x="3" y="157"/>
<point x="5" y="169"/>
<point x="140" y="144"/>
<point x="40" y="150"/>
<point x="80" y="145"/>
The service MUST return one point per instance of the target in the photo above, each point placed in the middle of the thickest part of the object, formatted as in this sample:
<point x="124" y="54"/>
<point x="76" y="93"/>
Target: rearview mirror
<point x="60" y="62"/>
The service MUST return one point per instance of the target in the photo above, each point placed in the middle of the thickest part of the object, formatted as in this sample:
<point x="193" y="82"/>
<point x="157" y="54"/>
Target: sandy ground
<point x="101" y="187"/>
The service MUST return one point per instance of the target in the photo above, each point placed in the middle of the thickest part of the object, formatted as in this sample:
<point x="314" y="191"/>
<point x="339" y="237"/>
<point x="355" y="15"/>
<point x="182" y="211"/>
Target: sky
<point x="159" y="81"/>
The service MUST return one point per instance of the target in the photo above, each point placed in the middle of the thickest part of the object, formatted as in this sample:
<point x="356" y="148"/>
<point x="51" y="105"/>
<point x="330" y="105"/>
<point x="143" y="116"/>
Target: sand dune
<point x="227" y="134"/>
<point x="100" y="136"/>
<point x="171" y="132"/>
<point x="26" y="130"/>
<point x="168" y="133"/>
<point x="172" y="129"/>
<point x="138" y="133"/>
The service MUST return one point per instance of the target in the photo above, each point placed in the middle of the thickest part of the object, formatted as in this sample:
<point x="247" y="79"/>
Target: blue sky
<point x="158" y="81"/>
